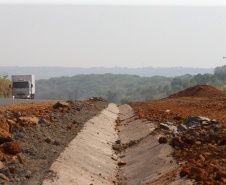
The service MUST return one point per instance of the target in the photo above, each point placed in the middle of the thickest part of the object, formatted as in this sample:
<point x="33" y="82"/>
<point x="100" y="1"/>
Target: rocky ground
<point x="33" y="135"/>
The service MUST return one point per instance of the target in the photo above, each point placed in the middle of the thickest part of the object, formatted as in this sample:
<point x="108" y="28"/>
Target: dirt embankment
<point x="33" y="135"/>
<point x="201" y="146"/>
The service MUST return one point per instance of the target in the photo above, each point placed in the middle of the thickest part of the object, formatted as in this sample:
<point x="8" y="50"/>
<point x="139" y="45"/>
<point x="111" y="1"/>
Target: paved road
<point x="5" y="101"/>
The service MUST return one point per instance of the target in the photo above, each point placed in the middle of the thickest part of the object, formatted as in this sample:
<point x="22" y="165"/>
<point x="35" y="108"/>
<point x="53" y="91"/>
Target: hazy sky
<point x="129" y="33"/>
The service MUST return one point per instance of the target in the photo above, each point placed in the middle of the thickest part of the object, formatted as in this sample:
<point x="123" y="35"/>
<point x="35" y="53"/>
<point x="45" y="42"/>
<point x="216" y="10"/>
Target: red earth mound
<point x="198" y="91"/>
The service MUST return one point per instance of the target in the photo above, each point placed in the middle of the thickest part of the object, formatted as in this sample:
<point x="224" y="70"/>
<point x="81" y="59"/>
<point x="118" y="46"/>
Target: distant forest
<point x="122" y="88"/>
<point x="117" y="88"/>
<point x="49" y="72"/>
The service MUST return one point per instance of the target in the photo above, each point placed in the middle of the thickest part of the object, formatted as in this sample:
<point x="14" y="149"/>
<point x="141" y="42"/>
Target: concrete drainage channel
<point x="88" y="158"/>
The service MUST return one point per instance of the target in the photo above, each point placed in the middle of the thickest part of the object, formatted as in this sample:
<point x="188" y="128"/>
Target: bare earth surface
<point x="94" y="142"/>
<point x="41" y="140"/>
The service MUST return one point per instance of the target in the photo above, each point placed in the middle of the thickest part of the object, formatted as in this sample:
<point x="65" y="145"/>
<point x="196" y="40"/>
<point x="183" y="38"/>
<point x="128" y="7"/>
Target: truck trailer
<point x="23" y="86"/>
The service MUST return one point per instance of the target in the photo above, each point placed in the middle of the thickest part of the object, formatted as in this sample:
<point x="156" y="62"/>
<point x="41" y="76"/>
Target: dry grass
<point x="223" y="89"/>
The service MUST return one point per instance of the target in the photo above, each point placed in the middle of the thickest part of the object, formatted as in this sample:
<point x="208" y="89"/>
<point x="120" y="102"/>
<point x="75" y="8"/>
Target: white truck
<point x="23" y="86"/>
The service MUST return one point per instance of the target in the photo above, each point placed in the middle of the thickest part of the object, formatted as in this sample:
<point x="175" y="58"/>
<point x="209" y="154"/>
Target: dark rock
<point x="57" y="143"/>
<point x="117" y="147"/>
<point x="120" y="163"/>
<point x="205" y="123"/>
<point x="164" y="126"/>
<point x="222" y="142"/>
<point x="188" y="140"/>
<point x="176" y="142"/>
<point x="162" y="140"/>
<point x="118" y="142"/>
<point x="42" y="121"/>
<point x="184" y="172"/>
<point x="48" y="140"/>
<point x="213" y="121"/>
<point x="13" y="170"/>
<point x="27" y="174"/>
<point x="220" y="175"/>
<point x="193" y="125"/>
<point x="18" y="114"/>
<point x="182" y="128"/>
<point x="197" y="119"/>
<point x="132" y="142"/>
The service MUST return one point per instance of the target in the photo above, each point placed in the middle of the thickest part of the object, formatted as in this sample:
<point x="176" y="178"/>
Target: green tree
<point x="205" y="79"/>
<point x="148" y="93"/>
<point x="160" y="89"/>
<point x="125" y="99"/>
<point x="166" y="88"/>
<point x="73" y="94"/>
<point x="169" y="92"/>
<point x="177" y="88"/>
<point x="112" y="96"/>
<point x="185" y="83"/>
<point x="176" y="81"/>
<point x="221" y="69"/>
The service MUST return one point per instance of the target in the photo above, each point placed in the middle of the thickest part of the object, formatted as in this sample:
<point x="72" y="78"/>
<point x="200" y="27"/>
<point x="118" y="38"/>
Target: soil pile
<point x="198" y="91"/>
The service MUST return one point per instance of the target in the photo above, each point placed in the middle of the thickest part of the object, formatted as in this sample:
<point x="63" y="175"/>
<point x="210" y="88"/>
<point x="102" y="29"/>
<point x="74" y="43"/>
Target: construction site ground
<point x="96" y="142"/>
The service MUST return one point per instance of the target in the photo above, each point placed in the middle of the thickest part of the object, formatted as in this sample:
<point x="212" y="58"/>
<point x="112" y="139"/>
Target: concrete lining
<point x="88" y="158"/>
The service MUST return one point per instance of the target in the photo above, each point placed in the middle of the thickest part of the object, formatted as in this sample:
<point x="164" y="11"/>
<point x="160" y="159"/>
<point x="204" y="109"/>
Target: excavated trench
<point x="116" y="147"/>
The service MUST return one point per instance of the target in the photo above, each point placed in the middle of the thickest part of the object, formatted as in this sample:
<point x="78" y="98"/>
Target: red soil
<point x="202" y="150"/>
<point x="198" y="91"/>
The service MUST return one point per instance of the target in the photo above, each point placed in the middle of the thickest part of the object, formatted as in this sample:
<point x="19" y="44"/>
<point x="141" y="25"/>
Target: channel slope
<point x="88" y="158"/>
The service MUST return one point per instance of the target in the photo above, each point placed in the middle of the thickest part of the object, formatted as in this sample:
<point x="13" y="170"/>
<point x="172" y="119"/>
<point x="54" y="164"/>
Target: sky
<point x="107" y="33"/>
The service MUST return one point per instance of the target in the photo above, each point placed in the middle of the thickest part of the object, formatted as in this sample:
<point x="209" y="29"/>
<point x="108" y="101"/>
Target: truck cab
<point x="23" y="86"/>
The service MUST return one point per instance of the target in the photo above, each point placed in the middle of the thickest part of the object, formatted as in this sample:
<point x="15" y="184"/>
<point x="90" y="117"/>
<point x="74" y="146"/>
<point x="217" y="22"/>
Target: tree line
<point x="117" y="88"/>
<point x="122" y="88"/>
